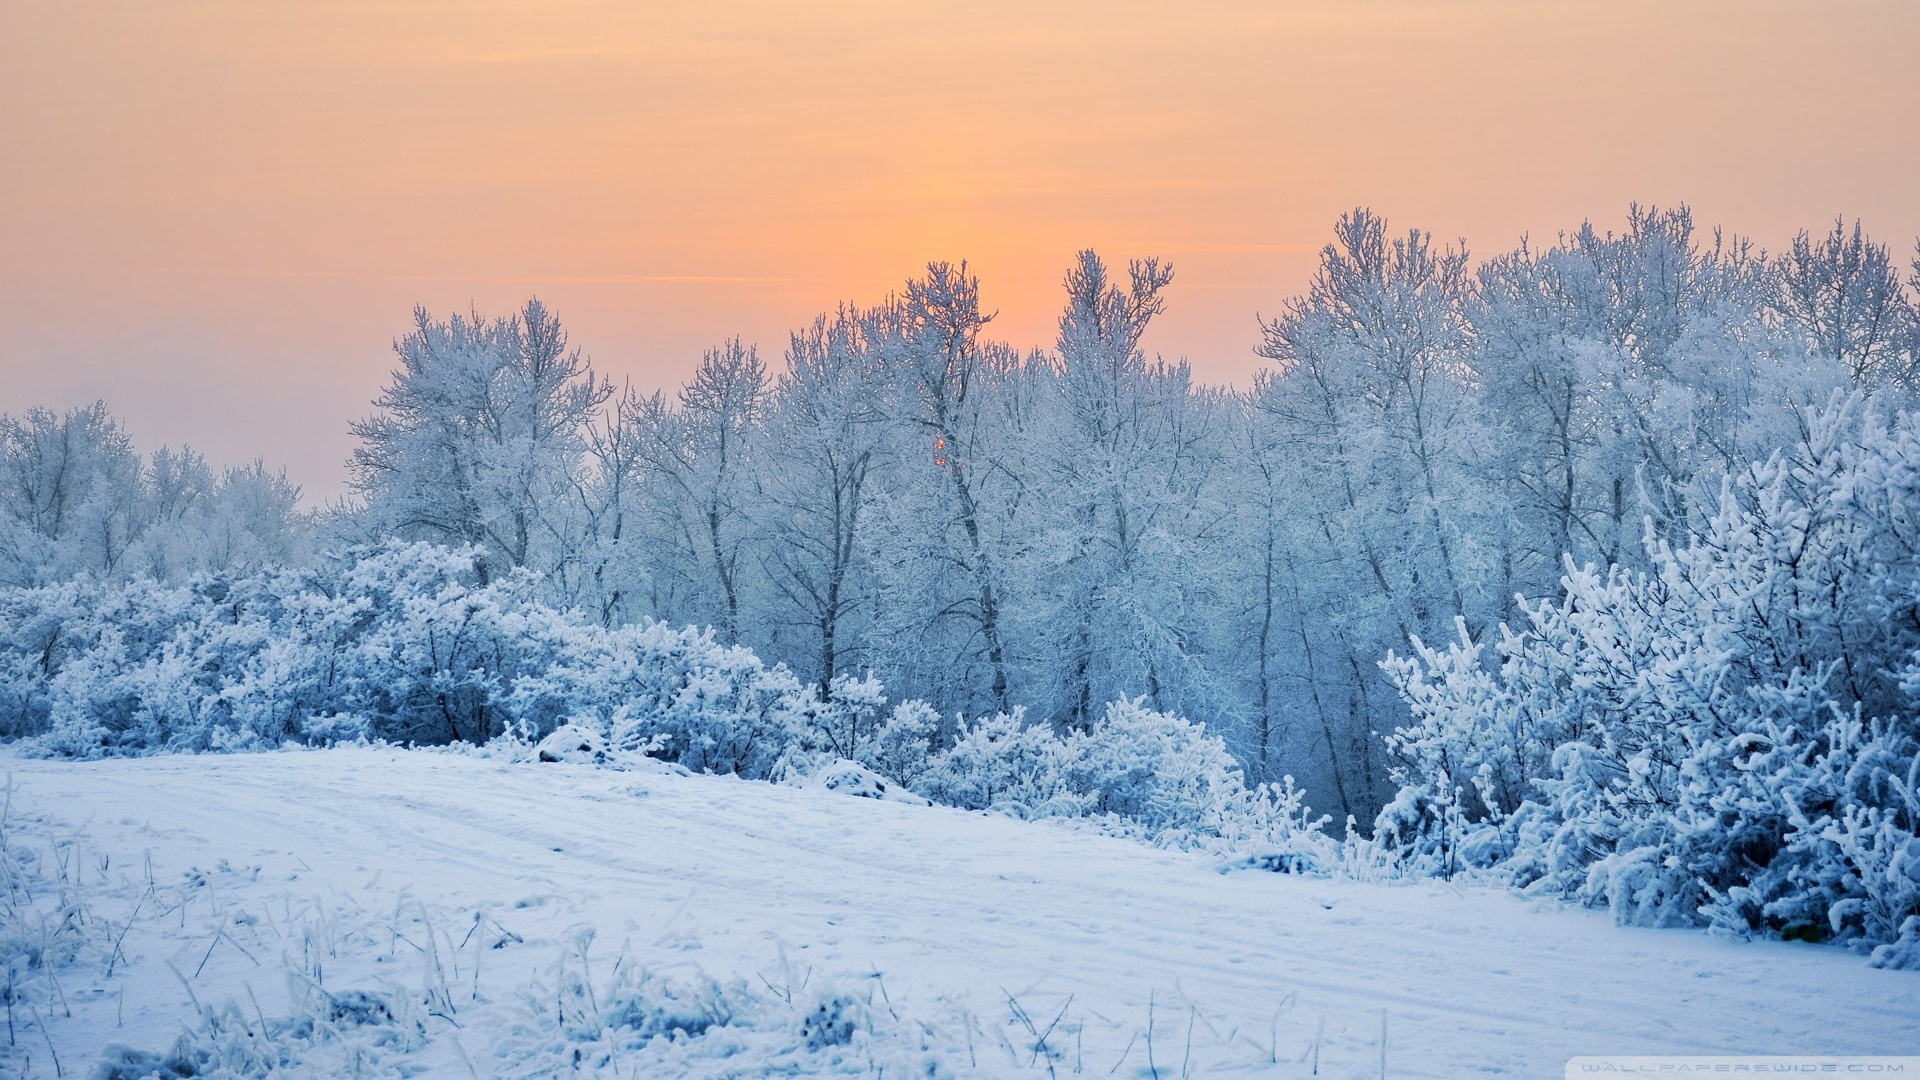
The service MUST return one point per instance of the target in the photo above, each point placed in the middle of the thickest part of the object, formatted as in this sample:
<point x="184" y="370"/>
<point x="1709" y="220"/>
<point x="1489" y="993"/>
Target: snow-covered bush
<point x="1144" y="773"/>
<point x="839" y="723"/>
<point x="1478" y="743"/>
<point x="854" y="779"/>
<point x="121" y="643"/>
<point x="851" y="727"/>
<point x="1152" y="767"/>
<point x="1728" y="738"/>
<point x="904" y="746"/>
<point x="39" y="635"/>
<point x="1272" y="828"/>
<point x="444" y="648"/>
<point x="574" y="744"/>
<point x="412" y="643"/>
<point x="400" y="642"/>
<point x="673" y="693"/>
<point x="403" y="642"/>
<point x="1002" y="763"/>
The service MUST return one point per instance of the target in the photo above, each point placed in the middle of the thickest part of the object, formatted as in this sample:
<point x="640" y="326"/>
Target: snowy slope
<point x="938" y="936"/>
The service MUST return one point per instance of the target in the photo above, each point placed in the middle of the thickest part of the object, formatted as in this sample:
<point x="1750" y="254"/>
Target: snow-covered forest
<point x="1594" y="564"/>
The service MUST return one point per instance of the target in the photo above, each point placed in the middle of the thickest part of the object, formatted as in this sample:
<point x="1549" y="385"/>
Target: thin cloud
<point x="536" y="279"/>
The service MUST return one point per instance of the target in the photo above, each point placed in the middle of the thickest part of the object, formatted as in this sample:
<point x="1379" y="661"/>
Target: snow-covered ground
<point x="394" y="912"/>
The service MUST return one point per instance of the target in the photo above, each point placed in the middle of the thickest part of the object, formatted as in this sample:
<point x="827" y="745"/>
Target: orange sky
<point x="217" y="215"/>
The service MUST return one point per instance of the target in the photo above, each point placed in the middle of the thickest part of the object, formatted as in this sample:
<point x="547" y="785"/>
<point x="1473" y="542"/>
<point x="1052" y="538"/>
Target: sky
<point x="217" y="216"/>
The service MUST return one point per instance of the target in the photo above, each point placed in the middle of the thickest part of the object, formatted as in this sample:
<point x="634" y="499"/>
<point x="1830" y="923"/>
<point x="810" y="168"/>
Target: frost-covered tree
<point x="195" y="520"/>
<point x="953" y="503"/>
<point x="696" y="455"/>
<point x="828" y="442"/>
<point x="1371" y="399"/>
<point x="1842" y="294"/>
<point x="479" y="438"/>
<point x="1130" y="470"/>
<point x="614" y="564"/>
<point x="69" y="495"/>
<point x="77" y="500"/>
<point x="1275" y="659"/>
<point x="1625" y="375"/>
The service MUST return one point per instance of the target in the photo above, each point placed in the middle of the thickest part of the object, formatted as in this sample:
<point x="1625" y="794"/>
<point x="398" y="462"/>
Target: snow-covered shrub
<point x="40" y="630"/>
<point x="1272" y="828"/>
<point x="904" y="746"/>
<point x="110" y="694"/>
<point x="1728" y="738"/>
<point x="400" y="642"/>
<point x="849" y="725"/>
<point x="1154" y="768"/>
<point x="1166" y="779"/>
<point x="443" y="650"/>
<point x="574" y="744"/>
<point x="404" y="642"/>
<point x="1145" y="773"/>
<point x="839" y="723"/>
<point x="1002" y="763"/>
<point x="673" y="693"/>
<point x="1477" y="745"/>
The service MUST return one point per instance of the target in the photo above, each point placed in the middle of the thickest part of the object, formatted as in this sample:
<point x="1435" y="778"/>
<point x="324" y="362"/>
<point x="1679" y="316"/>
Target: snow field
<point x="398" y="912"/>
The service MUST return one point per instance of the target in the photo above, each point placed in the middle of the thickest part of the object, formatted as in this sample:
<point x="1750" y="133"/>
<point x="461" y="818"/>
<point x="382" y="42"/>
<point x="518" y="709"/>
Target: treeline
<point x="902" y="495"/>
<point x="78" y="501"/>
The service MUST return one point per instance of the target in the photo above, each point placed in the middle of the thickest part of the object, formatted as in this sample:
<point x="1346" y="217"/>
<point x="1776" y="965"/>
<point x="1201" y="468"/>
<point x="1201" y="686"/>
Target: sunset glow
<point x="218" y="215"/>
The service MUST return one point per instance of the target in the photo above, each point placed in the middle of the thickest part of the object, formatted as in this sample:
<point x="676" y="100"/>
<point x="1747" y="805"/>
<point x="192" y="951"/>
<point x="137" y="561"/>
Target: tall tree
<point x="1129" y="471"/>
<point x="697" y="452"/>
<point x="479" y="436"/>
<point x="828" y="444"/>
<point x="1842" y="294"/>
<point x="1370" y="392"/>
<point x="936" y="330"/>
